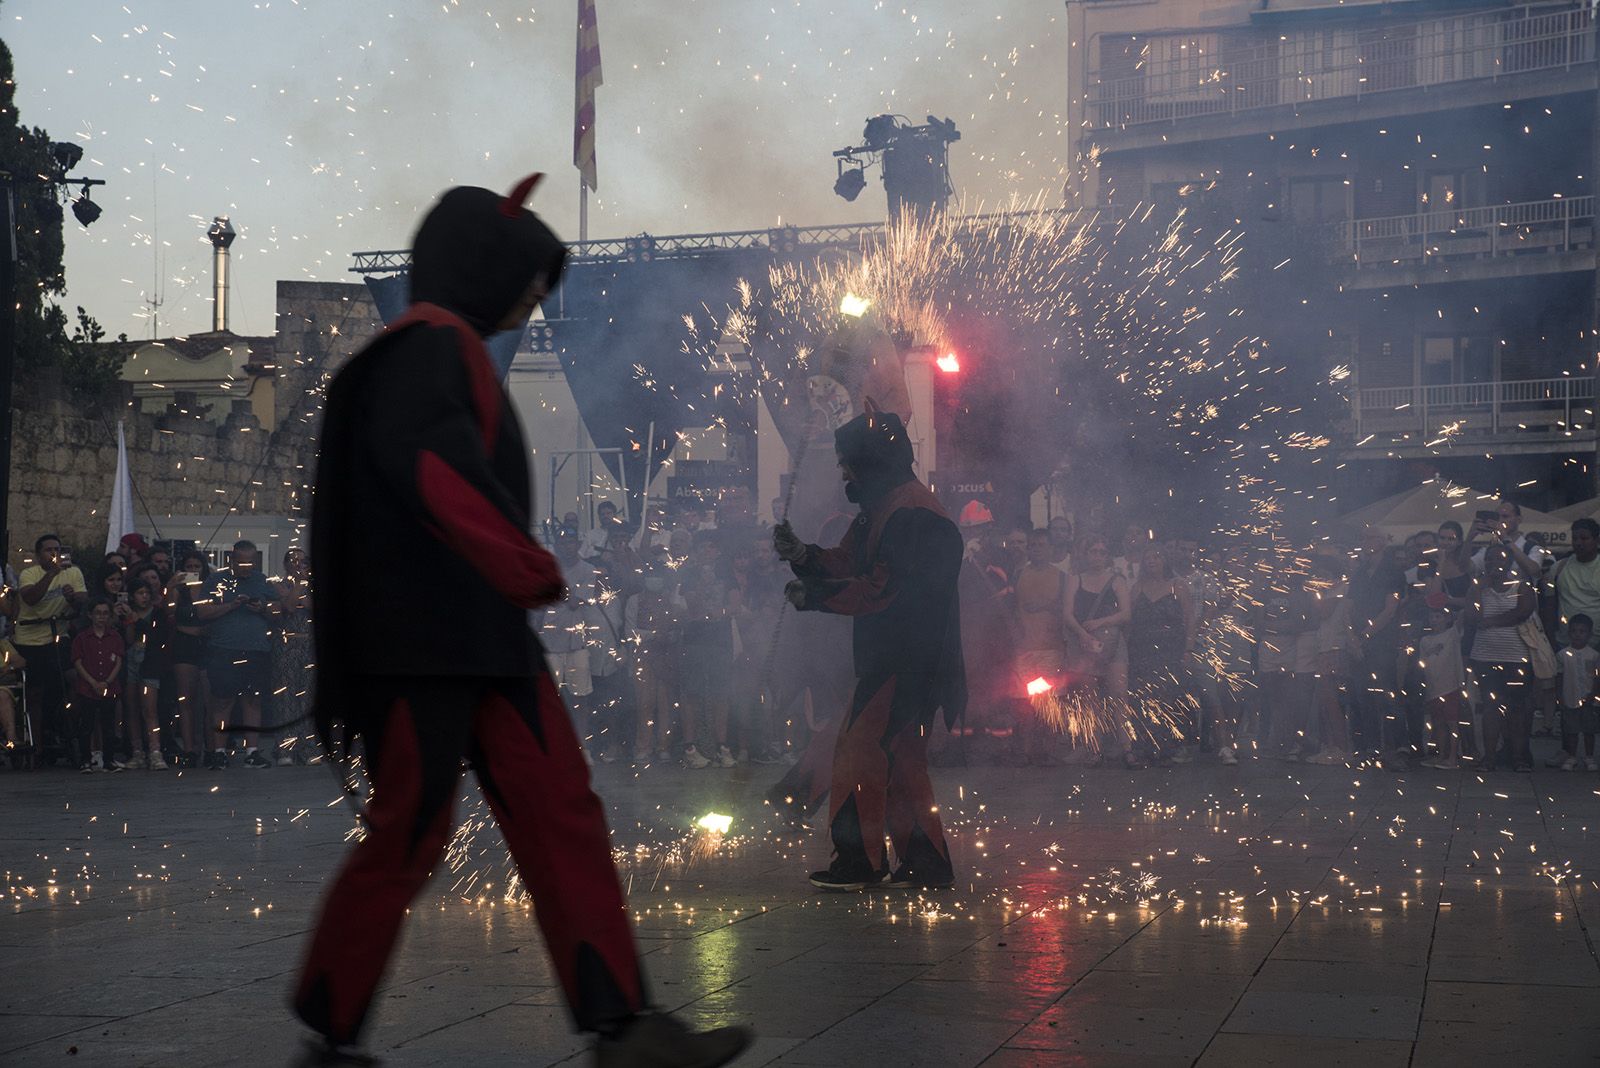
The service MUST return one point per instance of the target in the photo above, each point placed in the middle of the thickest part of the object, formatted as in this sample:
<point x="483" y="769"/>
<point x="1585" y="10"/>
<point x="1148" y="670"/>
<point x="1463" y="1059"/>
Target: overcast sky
<point x="326" y="126"/>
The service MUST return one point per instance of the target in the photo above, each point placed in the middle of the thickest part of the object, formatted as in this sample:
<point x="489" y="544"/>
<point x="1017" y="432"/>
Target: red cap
<point x="136" y="540"/>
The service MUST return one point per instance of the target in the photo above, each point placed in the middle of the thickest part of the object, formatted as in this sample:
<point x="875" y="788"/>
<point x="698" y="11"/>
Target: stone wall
<point x="190" y="459"/>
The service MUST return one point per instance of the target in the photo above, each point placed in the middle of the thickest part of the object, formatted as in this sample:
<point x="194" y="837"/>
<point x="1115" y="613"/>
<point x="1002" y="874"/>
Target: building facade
<point x="1439" y="157"/>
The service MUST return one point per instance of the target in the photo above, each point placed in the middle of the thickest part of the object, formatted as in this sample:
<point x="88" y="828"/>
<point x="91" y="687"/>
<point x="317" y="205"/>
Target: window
<point x="1448" y="361"/>
<point x="1319" y="201"/>
<point x="1442" y="191"/>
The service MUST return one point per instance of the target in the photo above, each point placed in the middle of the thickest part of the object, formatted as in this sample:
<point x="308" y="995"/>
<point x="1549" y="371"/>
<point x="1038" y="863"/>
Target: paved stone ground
<point x="1262" y="915"/>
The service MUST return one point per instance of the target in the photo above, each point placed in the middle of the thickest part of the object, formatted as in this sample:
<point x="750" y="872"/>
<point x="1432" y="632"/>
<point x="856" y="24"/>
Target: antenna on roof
<point x="153" y="300"/>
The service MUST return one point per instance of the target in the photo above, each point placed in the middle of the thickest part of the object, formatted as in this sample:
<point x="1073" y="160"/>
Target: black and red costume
<point x="895" y="572"/>
<point x="423" y="471"/>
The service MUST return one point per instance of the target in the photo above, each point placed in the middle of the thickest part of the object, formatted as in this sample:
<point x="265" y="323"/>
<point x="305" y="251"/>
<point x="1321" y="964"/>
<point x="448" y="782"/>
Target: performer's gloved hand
<point x="795" y="591"/>
<point x="786" y="543"/>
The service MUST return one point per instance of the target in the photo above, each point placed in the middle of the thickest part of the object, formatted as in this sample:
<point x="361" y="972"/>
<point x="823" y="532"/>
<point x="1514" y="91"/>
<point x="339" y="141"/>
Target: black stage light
<point x="66" y="154"/>
<point x="85" y="210"/>
<point x="850" y="183"/>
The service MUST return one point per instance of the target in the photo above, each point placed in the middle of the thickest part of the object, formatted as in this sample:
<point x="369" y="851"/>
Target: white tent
<point x="1588" y="509"/>
<point x="1426" y="506"/>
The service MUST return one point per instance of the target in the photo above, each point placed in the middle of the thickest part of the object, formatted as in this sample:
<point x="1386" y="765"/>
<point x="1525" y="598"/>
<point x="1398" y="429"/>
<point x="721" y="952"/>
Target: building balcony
<point x="1529" y="415"/>
<point x="1465" y="244"/>
<point x="1200" y="86"/>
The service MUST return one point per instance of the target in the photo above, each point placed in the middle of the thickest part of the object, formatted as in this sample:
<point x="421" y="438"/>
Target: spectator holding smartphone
<point x="238" y="608"/>
<point x="51" y="590"/>
<point x="1504" y="527"/>
<point x="113" y="589"/>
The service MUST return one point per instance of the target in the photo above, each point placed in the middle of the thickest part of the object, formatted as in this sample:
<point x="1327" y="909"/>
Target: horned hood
<point x="477" y="251"/>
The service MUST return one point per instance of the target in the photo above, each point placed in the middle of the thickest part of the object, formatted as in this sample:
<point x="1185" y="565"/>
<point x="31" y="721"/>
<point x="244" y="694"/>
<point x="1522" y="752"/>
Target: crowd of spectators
<point x="1110" y="645"/>
<point x="1457" y="646"/>
<point x="663" y="639"/>
<point x="152" y="660"/>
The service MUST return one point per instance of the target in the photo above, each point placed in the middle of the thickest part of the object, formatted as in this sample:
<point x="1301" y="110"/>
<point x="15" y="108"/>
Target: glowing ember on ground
<point x="714" y="822"/>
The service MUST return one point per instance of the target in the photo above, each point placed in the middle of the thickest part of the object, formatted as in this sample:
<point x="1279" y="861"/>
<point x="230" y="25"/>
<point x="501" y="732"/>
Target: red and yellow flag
<point x="588" y="80"/>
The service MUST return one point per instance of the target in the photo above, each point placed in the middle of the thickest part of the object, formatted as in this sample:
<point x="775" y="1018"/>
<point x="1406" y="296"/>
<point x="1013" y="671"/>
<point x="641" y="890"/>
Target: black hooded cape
<point x="423" y="561"/>
<point x="896" y="572"/>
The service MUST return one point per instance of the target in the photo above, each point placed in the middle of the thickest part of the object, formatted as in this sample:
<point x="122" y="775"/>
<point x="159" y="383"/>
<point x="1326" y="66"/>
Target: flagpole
<point x="583" y="209"/>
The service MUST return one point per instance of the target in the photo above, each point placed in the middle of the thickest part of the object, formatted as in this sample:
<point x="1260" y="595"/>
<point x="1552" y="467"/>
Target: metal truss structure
<point x="780" y="241"/>
<point x="642" y="248"/>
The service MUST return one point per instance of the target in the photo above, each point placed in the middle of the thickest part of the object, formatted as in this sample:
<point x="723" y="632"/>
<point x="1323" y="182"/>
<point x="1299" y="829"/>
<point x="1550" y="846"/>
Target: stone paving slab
<point x="1262" y="915"/>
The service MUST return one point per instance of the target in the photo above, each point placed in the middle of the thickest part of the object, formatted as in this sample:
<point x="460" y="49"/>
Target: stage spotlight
<point x="850" y="183"/>
<point x="85" y="210"/>
<point x="66" y="154"/>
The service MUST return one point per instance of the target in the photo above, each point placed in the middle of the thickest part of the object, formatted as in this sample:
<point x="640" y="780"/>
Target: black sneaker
<point x="656" y="1040"/>
<point x="906" y="877"/>
<point x="254" y="759"/>
<point x="216" y="760"/>
<point x="842" y="880"/>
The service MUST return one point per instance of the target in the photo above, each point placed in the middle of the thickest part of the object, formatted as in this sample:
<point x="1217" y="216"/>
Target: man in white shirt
<point x="594" y="542"/>
<point x="1530" y="556"/>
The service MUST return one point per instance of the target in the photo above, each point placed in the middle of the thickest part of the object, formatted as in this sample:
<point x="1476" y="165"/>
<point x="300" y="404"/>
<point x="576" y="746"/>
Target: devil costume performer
<point x="423" y="471"/>
<point x="895" y="572"/>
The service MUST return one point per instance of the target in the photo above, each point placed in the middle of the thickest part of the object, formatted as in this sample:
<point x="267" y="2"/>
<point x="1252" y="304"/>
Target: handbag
<point x="1540" y="654"/>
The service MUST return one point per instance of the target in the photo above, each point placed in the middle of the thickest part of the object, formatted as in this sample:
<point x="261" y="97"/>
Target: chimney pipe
<point x="221" y="235"/>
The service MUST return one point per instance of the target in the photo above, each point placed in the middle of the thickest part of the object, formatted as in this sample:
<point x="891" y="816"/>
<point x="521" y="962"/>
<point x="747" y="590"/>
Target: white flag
<point x="121" y="497"/>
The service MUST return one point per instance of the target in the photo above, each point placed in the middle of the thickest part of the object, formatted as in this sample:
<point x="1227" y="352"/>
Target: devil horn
<point x="519" y="195"/>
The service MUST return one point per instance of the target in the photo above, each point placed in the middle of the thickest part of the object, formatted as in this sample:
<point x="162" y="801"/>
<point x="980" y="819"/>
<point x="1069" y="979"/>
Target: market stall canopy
<point x="1589" y="509"/>
<point x="1424" y="507"/>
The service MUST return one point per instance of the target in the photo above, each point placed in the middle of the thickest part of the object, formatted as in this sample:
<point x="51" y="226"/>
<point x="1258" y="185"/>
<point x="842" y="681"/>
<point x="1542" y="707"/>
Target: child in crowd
<point x="1444" y="679"/>
<point x="97" y="657"/>
<point x="1579" y="664"/>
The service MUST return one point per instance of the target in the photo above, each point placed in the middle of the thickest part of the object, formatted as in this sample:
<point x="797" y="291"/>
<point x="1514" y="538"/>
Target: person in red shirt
<point x="97" y="655"/>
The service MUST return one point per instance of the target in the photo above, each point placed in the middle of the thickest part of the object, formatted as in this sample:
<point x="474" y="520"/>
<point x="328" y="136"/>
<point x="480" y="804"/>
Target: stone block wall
<point x="187" y="460"/>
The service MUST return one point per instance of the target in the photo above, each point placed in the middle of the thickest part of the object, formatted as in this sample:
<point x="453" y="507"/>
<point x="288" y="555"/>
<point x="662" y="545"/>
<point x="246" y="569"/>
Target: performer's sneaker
<point x="656" y="1040"/>
<point x="843" y="880"/>
<point x="254" y="759"/>
<point x="906" y="877"/>
<point x="319" y="1052"/>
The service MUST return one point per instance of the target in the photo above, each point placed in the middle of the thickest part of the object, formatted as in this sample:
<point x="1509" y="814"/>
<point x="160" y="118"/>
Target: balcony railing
<point x="1233" y="72"/>
<point x="1561" y="224"/>
<point x="1470" y="410"/>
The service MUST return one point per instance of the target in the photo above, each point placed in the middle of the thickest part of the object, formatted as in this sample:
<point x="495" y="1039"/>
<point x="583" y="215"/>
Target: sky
<point x="324" y="127"/>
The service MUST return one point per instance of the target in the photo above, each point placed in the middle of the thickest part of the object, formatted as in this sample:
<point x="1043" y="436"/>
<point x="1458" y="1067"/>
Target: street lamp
<point x="65" y="155"/>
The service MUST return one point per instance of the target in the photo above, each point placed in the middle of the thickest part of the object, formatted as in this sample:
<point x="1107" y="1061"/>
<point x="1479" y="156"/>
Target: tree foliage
<point x="46" y="338"/>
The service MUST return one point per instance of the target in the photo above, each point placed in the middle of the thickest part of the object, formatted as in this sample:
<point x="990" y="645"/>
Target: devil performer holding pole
<point x="423" y="471"/>
<point x="895" y="571"/>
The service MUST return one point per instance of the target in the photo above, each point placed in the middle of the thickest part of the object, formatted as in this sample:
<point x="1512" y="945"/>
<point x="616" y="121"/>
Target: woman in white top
<point x="1500" y="658"/>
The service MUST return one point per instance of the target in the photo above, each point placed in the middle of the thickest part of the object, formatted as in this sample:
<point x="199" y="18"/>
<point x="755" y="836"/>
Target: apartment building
<point x="1439" y="156"/>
